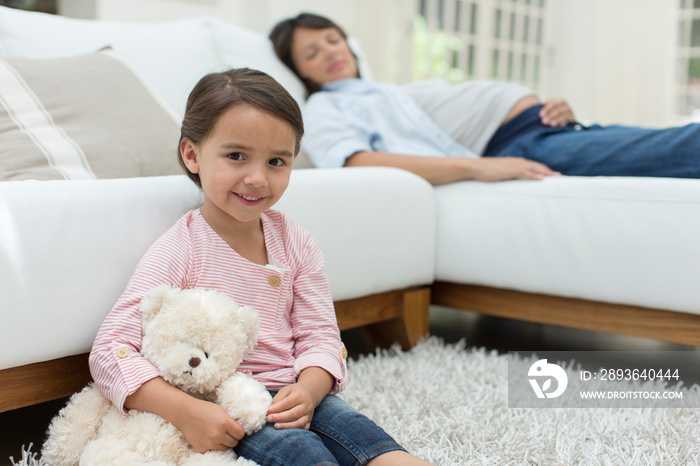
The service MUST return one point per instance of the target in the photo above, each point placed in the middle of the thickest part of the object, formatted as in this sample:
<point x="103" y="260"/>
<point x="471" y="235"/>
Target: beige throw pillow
<point x="80" y="117"/>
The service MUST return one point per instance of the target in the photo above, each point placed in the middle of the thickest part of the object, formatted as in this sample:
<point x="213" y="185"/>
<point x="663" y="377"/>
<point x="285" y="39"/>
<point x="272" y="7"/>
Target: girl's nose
<point x="256" y="176"/>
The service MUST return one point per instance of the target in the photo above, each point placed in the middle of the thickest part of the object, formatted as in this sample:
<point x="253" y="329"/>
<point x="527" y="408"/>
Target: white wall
<point x="613" y="59"/>
<point x="379" y="25"/>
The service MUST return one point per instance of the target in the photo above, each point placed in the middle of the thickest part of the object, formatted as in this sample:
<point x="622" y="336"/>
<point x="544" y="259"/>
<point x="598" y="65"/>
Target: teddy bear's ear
<point x="250" y="322"/>
<point x="156" y="299"/>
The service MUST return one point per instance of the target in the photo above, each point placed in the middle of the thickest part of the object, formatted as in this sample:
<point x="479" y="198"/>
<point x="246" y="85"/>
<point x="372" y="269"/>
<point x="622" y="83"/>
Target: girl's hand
<point x="208" y="426"/>
<point x="556" y="112"/>
<point x="508" y="168"/>
<point x="292" y="407"/>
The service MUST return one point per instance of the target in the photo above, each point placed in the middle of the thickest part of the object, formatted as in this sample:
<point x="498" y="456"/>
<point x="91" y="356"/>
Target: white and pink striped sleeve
<point x="316" y="334"/>
<point x="115" y="361"/>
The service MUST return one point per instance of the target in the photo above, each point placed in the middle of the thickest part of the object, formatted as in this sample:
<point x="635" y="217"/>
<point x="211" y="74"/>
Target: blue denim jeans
<point x="339" y="435"/>
<point x="606" y="150"/>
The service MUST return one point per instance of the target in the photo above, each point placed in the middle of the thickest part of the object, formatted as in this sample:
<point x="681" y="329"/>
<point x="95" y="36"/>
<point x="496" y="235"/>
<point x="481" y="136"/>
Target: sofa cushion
<point x="79" y="117"/>
<point x="618" y="240"/>
<point x="171" y="56"/>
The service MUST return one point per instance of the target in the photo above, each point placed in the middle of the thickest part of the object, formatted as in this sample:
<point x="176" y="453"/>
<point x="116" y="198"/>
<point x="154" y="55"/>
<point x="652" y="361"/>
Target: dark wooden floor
<point x="29" y="424"/>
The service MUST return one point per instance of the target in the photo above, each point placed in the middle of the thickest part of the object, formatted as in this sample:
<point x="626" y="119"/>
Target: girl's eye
<point x="277" y="162"/>
<point x="235" y="156"/>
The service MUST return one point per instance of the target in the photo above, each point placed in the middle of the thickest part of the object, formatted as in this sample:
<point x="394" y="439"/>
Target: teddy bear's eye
<point x="206" y="355"/>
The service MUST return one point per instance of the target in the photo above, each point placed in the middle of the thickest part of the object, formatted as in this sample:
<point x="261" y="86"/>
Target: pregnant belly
<point x="520" y="106"/>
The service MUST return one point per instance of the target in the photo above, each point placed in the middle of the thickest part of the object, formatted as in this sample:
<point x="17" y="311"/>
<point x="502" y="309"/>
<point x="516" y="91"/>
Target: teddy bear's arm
<point x="246" y="401"/>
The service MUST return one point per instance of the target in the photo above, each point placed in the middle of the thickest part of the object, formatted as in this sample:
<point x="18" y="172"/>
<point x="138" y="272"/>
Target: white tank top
<point x="471" y="111"/>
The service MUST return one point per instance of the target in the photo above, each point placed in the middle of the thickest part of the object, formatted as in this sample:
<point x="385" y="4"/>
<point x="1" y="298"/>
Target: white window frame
<point x="687" y="96"/>
<point x="485" y="39"/>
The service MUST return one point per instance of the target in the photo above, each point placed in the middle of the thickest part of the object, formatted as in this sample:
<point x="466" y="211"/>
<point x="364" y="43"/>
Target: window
<point x="480" y="39"/>
<point x="44" y="6"/>
<point x="688" y="64"/>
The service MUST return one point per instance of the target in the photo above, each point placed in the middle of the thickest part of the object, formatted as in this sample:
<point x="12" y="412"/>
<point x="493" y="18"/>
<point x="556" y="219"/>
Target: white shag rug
<point x="448" y="404"/>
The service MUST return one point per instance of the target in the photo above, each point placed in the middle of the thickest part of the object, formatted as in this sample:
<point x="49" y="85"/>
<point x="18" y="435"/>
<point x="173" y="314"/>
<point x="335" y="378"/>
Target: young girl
<point x="240" y="135"/>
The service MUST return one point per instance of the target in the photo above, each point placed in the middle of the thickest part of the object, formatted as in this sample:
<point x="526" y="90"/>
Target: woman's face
<point x="322" y="55"/>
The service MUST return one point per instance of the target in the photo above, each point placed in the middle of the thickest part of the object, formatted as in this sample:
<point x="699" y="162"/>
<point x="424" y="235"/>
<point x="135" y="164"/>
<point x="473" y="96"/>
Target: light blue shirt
<point x="353" y="115"/>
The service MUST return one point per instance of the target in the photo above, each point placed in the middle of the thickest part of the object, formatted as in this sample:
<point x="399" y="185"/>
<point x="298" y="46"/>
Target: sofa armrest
<point x="67" y="250"/>
<point x="375" y="225"/>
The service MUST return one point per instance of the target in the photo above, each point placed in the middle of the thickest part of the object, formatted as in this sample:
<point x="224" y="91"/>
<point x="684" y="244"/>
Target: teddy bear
<point x="196" y="338"/>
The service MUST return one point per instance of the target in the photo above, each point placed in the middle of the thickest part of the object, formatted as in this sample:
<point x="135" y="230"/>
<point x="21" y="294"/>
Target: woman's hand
<point x="508" y="168"/>
<point x="556" y="112"/>
<point x="292" y="407"/>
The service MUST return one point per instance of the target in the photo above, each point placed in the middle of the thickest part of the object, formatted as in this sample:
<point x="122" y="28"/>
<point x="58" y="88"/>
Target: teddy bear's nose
<point x="194" y="362"/>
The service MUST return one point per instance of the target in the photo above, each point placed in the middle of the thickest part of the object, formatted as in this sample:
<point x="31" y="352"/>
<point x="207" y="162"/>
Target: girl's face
<point x="244" y="166"/>
<point x="322" y="55"/>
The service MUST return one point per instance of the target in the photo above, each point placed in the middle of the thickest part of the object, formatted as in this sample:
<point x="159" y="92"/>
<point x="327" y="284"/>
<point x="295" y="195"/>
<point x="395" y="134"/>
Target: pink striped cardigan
<point x="298" y="327"/>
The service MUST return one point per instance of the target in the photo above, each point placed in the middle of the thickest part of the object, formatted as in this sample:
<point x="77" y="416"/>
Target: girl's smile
<point x="250" y="199"/>
<point x="244" y="165"/>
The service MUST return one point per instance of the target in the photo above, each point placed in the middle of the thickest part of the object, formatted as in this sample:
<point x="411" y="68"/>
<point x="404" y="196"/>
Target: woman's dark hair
<point x="283" y="34"/>
<point x="217" y="92"/>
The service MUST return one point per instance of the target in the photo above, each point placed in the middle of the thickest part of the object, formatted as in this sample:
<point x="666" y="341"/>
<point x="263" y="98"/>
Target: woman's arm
<point x="206" y="426"/>
<point x="441" y="170"/>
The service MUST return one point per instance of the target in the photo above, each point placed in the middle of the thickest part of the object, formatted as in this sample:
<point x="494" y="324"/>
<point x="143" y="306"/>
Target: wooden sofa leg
<point x="411" y="325"/>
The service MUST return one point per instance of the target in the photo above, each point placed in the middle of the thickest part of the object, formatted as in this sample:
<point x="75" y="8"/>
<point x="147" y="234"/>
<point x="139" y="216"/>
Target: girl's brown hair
<point x="283" y="34"/>
<point x="217" y="92"/>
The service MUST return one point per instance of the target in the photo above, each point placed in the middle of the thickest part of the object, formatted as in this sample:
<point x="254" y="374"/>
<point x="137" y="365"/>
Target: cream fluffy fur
<point x="179" y="327"/>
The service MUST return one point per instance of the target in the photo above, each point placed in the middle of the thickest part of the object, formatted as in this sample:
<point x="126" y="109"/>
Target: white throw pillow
<point x="362" y="63"/>
<point x="171" y="56"/>
<point x="242" y="48"/>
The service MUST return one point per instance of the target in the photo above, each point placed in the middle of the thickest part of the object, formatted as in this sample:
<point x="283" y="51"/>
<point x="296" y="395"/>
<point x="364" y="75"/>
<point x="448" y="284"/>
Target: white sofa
<point x="610" y="254"/>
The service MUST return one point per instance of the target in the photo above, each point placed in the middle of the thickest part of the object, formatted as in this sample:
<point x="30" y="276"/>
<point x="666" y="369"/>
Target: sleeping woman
<point x="482" y="130"/>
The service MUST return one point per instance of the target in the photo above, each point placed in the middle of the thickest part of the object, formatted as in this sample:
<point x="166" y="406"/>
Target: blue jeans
<point x="339" y="435"/>
<point x="605" y="150"/>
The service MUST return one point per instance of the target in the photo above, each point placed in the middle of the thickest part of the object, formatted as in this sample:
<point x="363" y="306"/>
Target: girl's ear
<point x="189" y="154"/>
